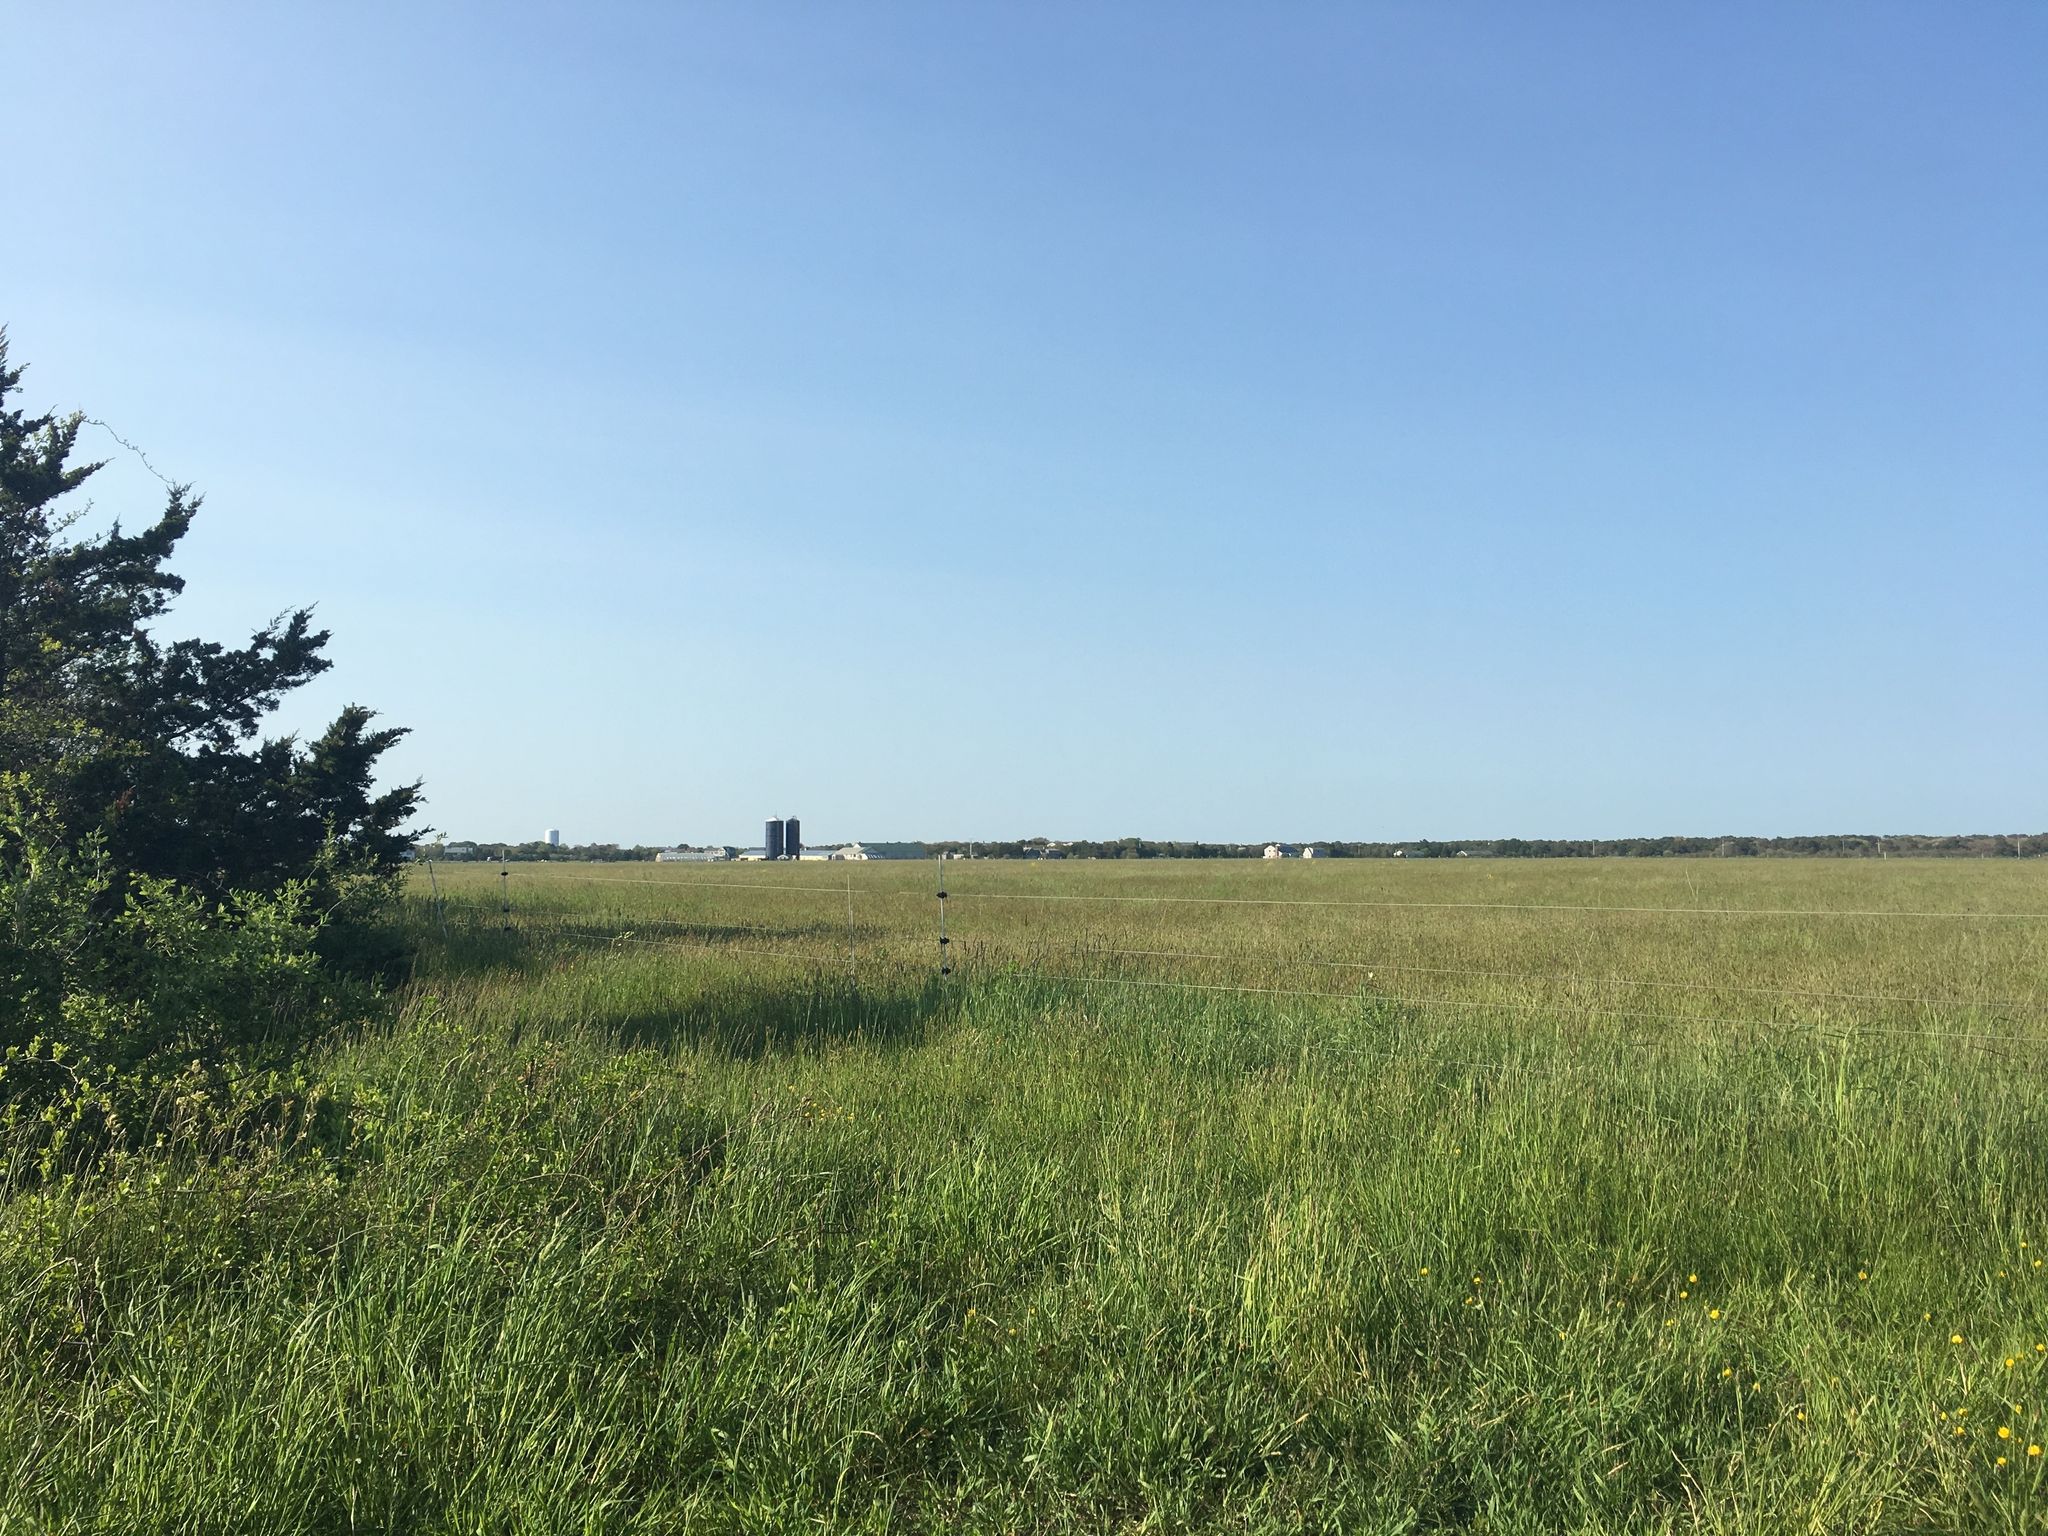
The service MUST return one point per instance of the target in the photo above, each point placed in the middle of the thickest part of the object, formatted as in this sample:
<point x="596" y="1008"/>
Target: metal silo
<point x="772" y="846"/>
<point x="792" y="839"/>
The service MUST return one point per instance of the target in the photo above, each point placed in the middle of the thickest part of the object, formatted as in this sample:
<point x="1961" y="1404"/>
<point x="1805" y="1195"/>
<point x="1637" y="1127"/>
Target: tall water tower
<point x="554" y="837"/>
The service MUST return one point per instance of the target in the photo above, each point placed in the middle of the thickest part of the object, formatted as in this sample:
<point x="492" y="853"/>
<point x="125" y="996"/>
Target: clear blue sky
<point x="1229" y="422"/>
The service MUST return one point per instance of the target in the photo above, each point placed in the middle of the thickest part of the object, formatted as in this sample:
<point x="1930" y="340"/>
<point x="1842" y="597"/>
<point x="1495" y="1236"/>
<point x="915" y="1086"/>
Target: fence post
<point x="852" y="953"/>
<point x="945" y="957"/>
<point x="505" y="897"/>
<point x="440" y="907"/>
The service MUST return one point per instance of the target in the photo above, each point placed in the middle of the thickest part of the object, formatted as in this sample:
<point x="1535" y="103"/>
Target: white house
<point x="1281" y="851"/>
<point x="1313" y="853"/>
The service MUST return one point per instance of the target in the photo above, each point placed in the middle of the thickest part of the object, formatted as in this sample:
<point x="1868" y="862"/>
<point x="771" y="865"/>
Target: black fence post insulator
<point x="945" y="969"/>
<point x="505" y="897"/>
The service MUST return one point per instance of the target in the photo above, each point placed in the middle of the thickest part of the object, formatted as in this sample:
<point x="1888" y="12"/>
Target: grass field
<point x="1469" y="1195"/>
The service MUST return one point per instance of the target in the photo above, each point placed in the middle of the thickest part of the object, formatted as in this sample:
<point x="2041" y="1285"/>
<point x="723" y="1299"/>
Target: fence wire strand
<point x="714" y="885"/>
<point x="1958" y="914"/>
<point x="1498" y="906"/>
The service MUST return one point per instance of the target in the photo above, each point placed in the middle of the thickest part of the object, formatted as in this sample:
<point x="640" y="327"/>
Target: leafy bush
<point x="124" y="1001"/>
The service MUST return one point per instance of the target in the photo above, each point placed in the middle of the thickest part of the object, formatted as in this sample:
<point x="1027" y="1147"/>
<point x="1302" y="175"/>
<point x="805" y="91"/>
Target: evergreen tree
<point x="150" y="747"/>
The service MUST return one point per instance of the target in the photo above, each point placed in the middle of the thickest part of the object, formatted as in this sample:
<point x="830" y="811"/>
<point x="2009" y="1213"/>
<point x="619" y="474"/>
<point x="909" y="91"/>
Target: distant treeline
<point x="1842" y="846"/>
<point x="581" y="853"/>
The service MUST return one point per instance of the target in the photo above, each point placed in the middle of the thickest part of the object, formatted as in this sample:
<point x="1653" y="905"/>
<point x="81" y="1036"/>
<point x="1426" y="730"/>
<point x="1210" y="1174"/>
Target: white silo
<point x="554" y="837"/>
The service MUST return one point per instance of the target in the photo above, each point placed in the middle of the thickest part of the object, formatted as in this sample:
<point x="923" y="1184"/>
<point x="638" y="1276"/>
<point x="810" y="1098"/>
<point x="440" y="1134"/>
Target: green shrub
<point x="125" y="1002"/>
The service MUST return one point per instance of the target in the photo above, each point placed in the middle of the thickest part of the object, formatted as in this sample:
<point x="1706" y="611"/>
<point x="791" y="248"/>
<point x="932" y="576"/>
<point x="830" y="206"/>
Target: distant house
<point x="459" y="851"/>
<point x="1282" y="851"/>
<point x="851" y="851"/>
<point x="752" y="855"/>
<point x="1314" y="853"/>
<point x="690" y="856"/>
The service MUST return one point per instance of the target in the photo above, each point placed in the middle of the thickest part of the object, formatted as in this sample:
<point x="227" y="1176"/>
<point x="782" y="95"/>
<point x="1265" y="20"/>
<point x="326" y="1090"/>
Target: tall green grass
<point x="623" y="1236"/>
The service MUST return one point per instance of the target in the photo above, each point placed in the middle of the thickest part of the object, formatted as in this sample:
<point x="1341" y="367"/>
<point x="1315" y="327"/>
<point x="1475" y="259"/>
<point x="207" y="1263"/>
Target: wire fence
<point x="1507" y="906"/>
<point x="985" y="951"/>
<point x="1136" y="898"/>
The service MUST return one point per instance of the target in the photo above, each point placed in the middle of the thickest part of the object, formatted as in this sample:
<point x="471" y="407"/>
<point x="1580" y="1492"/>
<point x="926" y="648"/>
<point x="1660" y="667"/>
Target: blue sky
<point x="1228" y="422"/>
